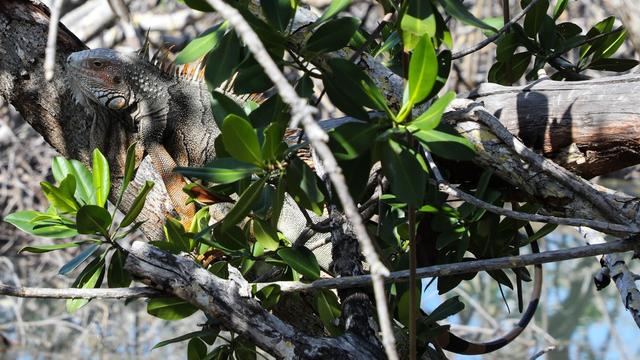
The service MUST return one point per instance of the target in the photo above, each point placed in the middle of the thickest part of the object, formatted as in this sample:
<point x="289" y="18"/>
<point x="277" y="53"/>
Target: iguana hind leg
<point x="173" y="182"/>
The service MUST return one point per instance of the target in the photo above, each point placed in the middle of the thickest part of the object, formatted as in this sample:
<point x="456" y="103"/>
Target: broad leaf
<point x="90" y="278"/>
<point x="265" y="234"/>
<point x="79" y="259"/>
<point x="222" y="105"/>
<point x="221" y="171"/>
<point x="117" y="276"/>
<point x="244" y="204"/>
<point x="202" y="44"/>
<point x="406" y="172"/>
<point x="92" y="219"/>
<point x="23" y="221"/>
<point x="185" y="337"/>
<point x="448" y="308"/>
<point x="333" y="35"/>
<point x="240" y="140"/>
<point x="101" y="177"/>
<point x="327" y="306"/>
<point x="172" y="308"/>
<point x="278" y="12"/>
<point x="301" y="260"/>
<point x="223" y="60"/>
<point x="137" y="205"/>
<point x="457" y="9"/>
<point x="418" y="21"/>
<point x="423" y="70"/>
<point x="62" y="167"/>
<point x="334" y="8"/>
<point x="431" y="118"/>
<point x="302" y="184"/>
<point x="59" y="199"/>
<point x="196" y="349"/>
<point x="38" y="249"/>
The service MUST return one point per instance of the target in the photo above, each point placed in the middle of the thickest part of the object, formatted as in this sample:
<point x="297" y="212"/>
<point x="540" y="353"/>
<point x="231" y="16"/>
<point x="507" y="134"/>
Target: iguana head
<point x="105" y="77"/>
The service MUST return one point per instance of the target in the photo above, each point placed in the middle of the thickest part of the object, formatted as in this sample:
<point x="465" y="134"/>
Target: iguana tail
<point x="453" y="343"/>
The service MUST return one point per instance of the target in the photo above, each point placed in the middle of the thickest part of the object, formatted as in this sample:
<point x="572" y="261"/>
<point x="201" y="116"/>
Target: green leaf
<point x="544" y="231"/>
<point x="200" y="5"/>
<point x="175" y="234"/>
<point x="334" y="8"/>
<point x="129" y="169"/>
<point x="23" y="221"/>
<point x="418" y="21"/>
<point x="244" y="349"/>
<point x="456" y="9"/>
<point x="196" y="349"/>
<point x="328" y="308"/>
<point x="276" y="208"/>
<point x="446" y="145"/>
<point x="222" y="105"/>
<point x="406" y="172"/>
<point x="278" y="12"/>
<point x="62" y="167"/>
<point x="79" y="259"/>
<point x="220" y="171"/>
<point x="265" y="234"/>
<point x="429" y="119"/>
<point x="38" y="249"/>
<point x="448" y="308"/>
<point x="117" y="276"/>
<point x="250" y="79"/>
<point x="618" y="65"/>
<point x="240" y="140"/>
<point x="273" y="147"/>
<point x="301" y="260"/>
<point x="302" y="184"/>
<point x="137" y="205"/>
<point x="535" y="17"/>
<point x="230" y="240"/>
<point x="244" y="204"/>
<point x="90" y="278"/>
<point x="101" y="177"/>
<point x="222" y="352"/>
<point x="202" y="44"/>
<point x="59" y="199"/>
<point x="172" y="308"/>
<point x="423" y="70"/>
<point x="333" y="35"/>
<point x="223" y="60"/>
<point x="93" y="219"/>
<point x="350" y="140"/>
<point x="184" y="337"/>
<point x="559" y="9"/>
<point x="501" y="277"/>
<point x="345" y="85"/>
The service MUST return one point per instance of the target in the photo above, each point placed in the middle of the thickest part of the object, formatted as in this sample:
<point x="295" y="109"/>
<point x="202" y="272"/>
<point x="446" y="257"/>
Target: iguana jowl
<point x="170" y="108"/>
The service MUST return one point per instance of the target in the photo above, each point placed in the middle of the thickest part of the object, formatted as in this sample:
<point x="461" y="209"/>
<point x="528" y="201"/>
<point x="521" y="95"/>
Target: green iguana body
<point x="170" y="109"/>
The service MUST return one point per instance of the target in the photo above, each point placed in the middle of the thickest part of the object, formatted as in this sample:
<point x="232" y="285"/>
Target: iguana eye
<point x="97" y="63"/>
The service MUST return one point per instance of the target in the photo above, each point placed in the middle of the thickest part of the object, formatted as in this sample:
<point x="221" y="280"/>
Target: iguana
<point x="170" y="108"/>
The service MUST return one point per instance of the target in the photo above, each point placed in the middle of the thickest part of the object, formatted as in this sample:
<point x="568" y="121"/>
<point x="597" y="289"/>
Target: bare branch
<point x="50" y="52"/>
<point x="49" y="293"/>
<point x="507" y="262"/>
<point x="492" y="38"/>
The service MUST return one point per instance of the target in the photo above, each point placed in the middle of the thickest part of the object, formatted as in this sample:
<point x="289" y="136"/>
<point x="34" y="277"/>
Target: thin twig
<point x="73" y="293"/>
<point x="303" y="113"/>
<point x="492" y="38"/>
<point x="50" y="51"/>
<point x="506" y="262"/>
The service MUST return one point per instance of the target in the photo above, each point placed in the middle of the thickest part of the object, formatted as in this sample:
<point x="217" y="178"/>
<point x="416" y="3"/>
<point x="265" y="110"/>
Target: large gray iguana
<point x="170" y="109"/>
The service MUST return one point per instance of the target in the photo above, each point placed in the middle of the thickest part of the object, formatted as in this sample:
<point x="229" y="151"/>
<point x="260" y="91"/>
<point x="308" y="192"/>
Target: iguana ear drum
<point x="116" y="103"/>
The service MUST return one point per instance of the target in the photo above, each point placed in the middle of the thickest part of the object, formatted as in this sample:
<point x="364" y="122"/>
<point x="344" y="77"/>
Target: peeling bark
<point x="230" y="302"/>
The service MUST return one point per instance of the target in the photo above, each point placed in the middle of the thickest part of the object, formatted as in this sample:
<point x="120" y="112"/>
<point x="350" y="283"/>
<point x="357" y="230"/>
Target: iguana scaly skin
<point x="155" y="100"/>
<point x="170" y="109"/>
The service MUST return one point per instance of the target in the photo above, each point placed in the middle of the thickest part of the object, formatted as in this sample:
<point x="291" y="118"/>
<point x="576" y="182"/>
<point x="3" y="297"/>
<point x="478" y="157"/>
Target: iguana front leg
<point x="152" y="123"/>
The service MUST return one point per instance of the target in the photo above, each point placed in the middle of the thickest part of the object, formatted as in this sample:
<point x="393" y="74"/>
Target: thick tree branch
<point x="230" y="302"/>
